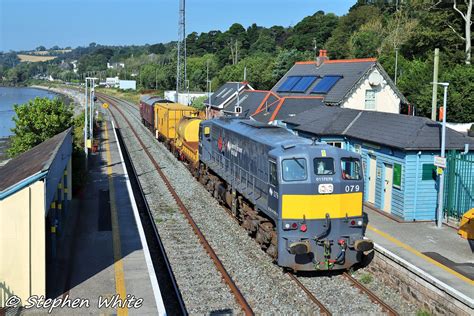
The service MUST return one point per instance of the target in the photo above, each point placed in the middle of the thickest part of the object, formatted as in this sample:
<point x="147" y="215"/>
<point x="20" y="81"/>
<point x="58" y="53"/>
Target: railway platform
<point x="438" y="256"/>
<point x="106" y="254"/>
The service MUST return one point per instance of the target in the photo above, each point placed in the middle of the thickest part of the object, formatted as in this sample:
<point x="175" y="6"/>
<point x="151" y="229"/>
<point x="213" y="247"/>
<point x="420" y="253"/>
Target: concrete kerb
<point x="430" y="283"/>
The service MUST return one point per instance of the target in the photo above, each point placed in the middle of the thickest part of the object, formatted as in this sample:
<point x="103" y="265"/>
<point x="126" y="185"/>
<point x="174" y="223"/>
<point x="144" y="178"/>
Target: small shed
<point x="34" y="190"/>
<point x="397" y="154"/>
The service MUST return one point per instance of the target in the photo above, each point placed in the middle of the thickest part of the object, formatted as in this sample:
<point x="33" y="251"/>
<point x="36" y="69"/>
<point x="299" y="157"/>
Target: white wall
<point x="22" y="243"/>
<point x="385" y="98"/>
<point x="183" y="97"/>
<point x="128" y="84"/>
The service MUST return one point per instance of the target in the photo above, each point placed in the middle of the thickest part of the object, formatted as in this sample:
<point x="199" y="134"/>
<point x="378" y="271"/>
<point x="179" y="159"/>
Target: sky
<point x="27" y="24"/>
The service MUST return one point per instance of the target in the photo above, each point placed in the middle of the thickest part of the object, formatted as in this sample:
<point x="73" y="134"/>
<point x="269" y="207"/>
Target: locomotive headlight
<point x="325" y="188"/>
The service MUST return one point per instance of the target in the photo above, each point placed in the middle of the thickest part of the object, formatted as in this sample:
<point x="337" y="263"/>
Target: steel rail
<point x="151" y="231"/>
<point x="373" y="297"/>
<point x="220" y="267"/>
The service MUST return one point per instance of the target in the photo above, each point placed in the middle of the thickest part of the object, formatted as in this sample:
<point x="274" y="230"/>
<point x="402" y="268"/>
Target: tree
<point x="467" y="27"/>
<point x="36" y="121"/>
<point x="157" y="48"/>
<point x="317" y="27"/>
<point x="366" y="41"/>
<point x="338" y="45"/>
<point x="40" y="48"/>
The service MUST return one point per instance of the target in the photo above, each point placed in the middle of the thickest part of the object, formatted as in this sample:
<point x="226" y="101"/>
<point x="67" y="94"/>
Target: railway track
<point x="170" y="292"/>
<point x="202" y="239"/>
<point x="361" y="293"/>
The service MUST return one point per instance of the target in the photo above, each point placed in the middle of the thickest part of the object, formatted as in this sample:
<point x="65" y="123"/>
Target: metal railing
<point x="459" y="184"/>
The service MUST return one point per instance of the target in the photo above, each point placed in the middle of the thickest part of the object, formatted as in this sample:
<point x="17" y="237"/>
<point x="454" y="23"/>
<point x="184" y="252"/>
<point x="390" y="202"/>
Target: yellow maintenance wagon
<point x="167" y="117"/>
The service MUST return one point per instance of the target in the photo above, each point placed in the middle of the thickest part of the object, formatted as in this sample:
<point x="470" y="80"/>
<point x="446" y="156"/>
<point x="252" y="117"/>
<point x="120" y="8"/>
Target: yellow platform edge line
<point x="118" y="263"/>
<point x="419" y="254"/>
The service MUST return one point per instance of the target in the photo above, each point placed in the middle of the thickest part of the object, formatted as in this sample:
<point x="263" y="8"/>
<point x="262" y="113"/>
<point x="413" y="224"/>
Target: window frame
<point x="397" y="186"/>
<point x="374" y="99"/>
<point x="292" y="159"/>
<point x="324" y="174"/>
<point x="270" y="173"/>
<point x="357" y="160"/>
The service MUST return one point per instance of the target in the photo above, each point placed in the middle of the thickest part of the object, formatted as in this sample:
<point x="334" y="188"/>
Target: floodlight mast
<point x="181" y="71"/>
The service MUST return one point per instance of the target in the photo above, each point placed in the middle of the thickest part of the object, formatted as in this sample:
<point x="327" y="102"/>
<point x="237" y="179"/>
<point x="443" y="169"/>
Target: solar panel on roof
<point x="289" y="83"/>
<point x="326" y="84"/>
<point x="303" y="84"/>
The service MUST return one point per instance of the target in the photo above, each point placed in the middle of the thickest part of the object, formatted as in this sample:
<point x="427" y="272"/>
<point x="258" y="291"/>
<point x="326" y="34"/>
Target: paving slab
<point x="440" y="252"/>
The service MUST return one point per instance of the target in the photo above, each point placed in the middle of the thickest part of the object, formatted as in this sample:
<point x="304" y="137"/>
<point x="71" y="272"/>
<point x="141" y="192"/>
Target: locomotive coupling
<point x="363" y="245"/>
<point x="299" y="247"/>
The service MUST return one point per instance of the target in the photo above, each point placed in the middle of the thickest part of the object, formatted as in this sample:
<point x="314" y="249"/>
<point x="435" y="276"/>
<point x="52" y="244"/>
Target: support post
<point x="434" y="98"/>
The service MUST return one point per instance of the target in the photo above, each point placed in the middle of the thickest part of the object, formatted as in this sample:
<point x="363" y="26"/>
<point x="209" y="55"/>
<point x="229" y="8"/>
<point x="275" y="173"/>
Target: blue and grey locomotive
<point x="301" y="199"/>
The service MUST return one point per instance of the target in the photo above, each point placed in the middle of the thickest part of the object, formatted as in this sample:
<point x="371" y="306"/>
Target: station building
<point x="397" y="157"/>
<point x="35" y="189"/>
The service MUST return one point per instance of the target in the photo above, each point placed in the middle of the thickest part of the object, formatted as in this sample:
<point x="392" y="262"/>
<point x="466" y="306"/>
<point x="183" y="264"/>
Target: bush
<point x="36" y="121"/>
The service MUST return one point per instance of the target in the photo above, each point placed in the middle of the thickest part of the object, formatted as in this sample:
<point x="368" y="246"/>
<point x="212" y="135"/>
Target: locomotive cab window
<point x="350" y="168"/>
<point x="294" y="169"/>
<point x="323" y="166"/>
<point x="273" y="173"/>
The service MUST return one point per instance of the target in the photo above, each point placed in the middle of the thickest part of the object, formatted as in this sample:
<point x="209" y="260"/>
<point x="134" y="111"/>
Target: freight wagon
<point x="147" y="112"/>
<point x="167" y="117"/>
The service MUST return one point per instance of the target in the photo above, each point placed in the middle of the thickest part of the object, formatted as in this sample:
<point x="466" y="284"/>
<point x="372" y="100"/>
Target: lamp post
<point x="439" y="214"/>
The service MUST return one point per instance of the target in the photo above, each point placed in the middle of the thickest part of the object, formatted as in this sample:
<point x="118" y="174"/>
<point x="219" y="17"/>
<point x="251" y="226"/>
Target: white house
<point x="360" y="84"/>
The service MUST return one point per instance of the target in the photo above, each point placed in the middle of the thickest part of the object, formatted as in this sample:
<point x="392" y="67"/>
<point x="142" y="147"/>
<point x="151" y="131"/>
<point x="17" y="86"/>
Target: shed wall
<point x="22" y="243"/>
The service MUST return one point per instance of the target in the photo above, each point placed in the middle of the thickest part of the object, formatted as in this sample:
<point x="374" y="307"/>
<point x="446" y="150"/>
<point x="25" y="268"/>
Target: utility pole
<point x="208" y="83"/>
<point x="315" y="48"/>
<point x="396" y="65"/>
<point x="434" y="98"/>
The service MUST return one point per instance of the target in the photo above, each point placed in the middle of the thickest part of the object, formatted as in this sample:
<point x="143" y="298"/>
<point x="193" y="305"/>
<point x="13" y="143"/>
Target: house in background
<point x="285" y="108"/>
<point x="397" y="156"/>
<point x="247" y="102"/>
<point x="227" y="92"/>
<point x="359" y="84"/>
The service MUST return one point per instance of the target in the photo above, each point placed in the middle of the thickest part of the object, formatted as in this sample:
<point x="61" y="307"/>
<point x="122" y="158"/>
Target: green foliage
<point x="338" y="45"/>
<point x="317" y="27"/>
<point x="422" y="312"/>
<point x="36" y="121"/>
<point x="367" y="40"/>
<point x="259" y="71"/>
<point x="460" y="93"/>
<point x="198" y="103"/>
<point x="366" y="278"/>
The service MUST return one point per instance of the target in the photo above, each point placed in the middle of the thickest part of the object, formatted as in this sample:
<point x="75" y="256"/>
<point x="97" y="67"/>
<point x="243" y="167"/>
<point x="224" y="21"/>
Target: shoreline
<point x="76" y="96"/>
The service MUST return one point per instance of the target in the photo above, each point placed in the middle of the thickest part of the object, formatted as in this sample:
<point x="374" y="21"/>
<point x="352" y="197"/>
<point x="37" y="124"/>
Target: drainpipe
<point x="416" y="182"/>
<point x="466" y="149"/>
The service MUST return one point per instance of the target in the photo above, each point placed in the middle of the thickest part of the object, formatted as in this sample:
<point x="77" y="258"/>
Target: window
<point x="294" y="169"/>
<point x="335" y="144"/>
<point x="350" y="169"/>
<point x="370" y="99"/>
<point x="429" y="172"/>
<point x="323" y="166"/>
<point x="273" y="174"/>
<point x="397" y="176"/>
<point x="326" y="84"/>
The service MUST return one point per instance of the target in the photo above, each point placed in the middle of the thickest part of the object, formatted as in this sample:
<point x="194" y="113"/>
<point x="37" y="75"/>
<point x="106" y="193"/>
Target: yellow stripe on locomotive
<point x="296" y="206"/>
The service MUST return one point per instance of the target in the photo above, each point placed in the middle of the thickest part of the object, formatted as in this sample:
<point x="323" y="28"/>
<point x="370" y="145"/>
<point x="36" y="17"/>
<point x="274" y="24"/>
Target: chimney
<point x="322" y="57"/>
